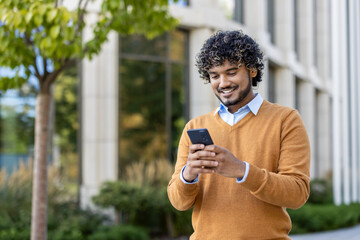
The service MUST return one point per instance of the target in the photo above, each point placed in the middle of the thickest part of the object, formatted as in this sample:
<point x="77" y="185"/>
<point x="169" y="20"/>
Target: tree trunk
<point x="39" y="193"/>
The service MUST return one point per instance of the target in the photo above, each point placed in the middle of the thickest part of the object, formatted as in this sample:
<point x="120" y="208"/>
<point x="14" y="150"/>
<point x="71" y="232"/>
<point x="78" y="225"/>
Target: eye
<point x="231" y="73"/>
<point x="214" y="76"/>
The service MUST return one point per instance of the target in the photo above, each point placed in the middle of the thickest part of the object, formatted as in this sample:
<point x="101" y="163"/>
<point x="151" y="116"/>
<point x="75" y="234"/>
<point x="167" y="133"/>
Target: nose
<point x="224" y="83"/>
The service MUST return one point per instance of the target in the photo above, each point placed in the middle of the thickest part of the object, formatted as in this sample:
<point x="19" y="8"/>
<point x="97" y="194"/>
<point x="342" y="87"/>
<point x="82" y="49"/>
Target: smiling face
<point x="232" y="84"/>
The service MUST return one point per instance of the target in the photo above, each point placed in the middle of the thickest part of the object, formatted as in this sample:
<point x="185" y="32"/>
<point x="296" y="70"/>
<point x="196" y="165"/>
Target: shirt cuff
<point x="186" y="182"/>
<point x="241" y="180"/>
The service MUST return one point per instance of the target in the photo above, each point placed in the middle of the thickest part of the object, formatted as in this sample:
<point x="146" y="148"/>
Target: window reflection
<point x="17" y="114"/>
<point x="152" y="96"/>
<point x="233" y="9"/>
<point x="17" y="124"/>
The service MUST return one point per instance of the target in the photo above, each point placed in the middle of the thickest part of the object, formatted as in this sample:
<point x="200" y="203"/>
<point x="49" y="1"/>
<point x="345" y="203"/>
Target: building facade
<point x="312" y="61"/>
<point x="137" y="94"/>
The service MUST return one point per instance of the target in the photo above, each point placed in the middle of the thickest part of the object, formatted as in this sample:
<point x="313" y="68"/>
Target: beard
<point x="241" y="95"/>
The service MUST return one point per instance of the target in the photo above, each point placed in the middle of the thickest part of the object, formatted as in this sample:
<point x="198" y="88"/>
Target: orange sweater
<point x="276" y="145"/>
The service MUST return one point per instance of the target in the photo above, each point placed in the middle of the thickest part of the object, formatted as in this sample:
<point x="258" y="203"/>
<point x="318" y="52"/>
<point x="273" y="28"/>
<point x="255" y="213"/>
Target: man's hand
<point x="199" y="161"/>
<point x="211" y="159"/>
<point x="228" y="164"/>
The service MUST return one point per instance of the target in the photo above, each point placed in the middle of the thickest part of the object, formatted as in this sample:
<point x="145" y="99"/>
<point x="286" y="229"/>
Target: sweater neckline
<point x="240" y="123"/>
<point x="230" y="128"/>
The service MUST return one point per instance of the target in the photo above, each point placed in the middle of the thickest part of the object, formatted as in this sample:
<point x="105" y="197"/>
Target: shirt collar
<point x="254" y="105"/>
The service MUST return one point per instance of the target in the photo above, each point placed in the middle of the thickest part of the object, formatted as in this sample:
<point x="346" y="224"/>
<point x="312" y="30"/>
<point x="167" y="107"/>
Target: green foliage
<point x="31" y="28"/>
<point x="16" y="127"/>
<point x="120" y="232"/>
<point x="65" y="220"/>
<point x="147" y="206"/>
<point x="66" y="120"/>
<point x="320" y="192"/>
<point x="315" y="218"/>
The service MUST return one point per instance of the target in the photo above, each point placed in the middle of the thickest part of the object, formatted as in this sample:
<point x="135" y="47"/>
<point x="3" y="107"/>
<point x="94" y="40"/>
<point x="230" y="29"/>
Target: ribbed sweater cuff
<point x="186" y="189"/>
<point x="255" y="179"/>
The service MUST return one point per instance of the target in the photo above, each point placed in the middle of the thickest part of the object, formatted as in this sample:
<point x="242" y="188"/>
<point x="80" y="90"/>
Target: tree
<point x="42" y="38"/>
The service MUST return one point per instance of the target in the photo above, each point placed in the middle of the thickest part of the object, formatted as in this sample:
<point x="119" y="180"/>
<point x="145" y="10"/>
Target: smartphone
<point x="200" y="136"/>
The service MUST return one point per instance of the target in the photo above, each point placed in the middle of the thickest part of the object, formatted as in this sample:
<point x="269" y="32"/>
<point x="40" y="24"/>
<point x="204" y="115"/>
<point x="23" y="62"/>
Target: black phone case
<point x="200" y="136"/>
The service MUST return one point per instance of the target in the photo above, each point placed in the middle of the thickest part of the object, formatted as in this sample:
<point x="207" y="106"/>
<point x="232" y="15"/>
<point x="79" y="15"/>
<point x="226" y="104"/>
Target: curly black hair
<point x="234" y="46"/>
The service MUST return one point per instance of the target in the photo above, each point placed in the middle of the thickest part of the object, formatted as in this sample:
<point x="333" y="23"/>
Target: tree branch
<point x="45" y="67"/>
<point x="28" y="41"/>
<point x="37" y="73"/>
<point x="79" y="5"/>
<point x="81" y="15"/>
<point x="107" y="25"/>
<point x="50" y="79"/>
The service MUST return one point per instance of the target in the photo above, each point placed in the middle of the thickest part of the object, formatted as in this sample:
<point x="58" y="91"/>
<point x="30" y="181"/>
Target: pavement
<point x="352" y="233"/>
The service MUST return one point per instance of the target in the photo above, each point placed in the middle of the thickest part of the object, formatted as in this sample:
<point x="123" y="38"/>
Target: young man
<point x="258" y="166"/>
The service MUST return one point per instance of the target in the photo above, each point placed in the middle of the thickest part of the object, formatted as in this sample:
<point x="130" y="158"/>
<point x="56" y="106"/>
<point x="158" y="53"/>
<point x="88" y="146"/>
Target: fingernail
<point x="212" y="154"/>
<point x="216" y="163"/>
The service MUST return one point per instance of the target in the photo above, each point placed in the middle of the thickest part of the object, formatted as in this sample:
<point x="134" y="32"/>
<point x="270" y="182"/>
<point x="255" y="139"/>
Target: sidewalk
<point x="352" y="233"/>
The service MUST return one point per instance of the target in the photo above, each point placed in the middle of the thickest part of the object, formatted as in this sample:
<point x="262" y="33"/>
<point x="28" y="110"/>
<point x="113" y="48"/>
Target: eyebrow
<point x="227" y="70"/>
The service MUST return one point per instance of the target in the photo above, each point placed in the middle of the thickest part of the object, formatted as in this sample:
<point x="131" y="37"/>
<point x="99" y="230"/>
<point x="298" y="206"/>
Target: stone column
<point x="256" y="25"/>
<point x="323" y="132"/>
<point x="344" y="89"/>
<point x="285" y="87"/>
<point x="202" y="98"/>
<point x="285" y="79"/>
<point x="306" y="107"/>
<point x="354" y="121"/>
<point x="336" y="114"/>
<point x="99" y="114"/>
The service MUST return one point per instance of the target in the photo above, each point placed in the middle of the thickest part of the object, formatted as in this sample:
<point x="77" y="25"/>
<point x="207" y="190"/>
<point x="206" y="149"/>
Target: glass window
<point x="152" y="110"/>
<point x="239" y="11"/>
<point x="66" y="142"/>
<point x="296" y="28"/>
<point x="271" y="19"/>
<point x="298" y="93"/>
<point x="17" y="114"/>
<point x="17" y="124"/>
<point x="315" y="32"/>
<point x="271" y="84"/>
<point x="233" y="9"/>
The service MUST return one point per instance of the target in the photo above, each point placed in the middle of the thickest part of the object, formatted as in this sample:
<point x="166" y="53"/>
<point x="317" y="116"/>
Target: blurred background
<point x="118" y="117"/>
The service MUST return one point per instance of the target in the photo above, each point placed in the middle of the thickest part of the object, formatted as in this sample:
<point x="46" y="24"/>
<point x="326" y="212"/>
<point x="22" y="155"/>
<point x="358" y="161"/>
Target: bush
<point x="65" y="220"/>
<point x="146" y="206"/>
<point x="320" y="192"/>
<point x="315" y="218"/>
<point x="120" y="232"/>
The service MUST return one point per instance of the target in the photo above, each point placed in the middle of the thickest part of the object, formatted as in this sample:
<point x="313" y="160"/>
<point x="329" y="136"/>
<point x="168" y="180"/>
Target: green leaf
<point x="17" y="20"/>
<point x="65" y="16"/>
<point x="9" y="83"/>
<point x="45" y="43"/>
<point x="51" y="15"/>
<point x="54" y="31"/>
<point x="42" y="9"/>
<point x="38" y="19"/>
<point x="28" y="17"/>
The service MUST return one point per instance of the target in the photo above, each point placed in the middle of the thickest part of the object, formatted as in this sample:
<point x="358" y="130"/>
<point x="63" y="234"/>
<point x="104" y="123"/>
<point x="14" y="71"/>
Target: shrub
<point x="65" y="220"/>
<point x="120" y="232"/>
<point x="148" y="207"/>
<point x="314" y="218"/>
<point x="140" y="199"/>
<point x="320" y="192"/>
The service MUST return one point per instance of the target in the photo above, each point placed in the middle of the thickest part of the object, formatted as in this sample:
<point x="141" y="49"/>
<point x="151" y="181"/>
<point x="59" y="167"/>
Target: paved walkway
<point x="352" y="233"/>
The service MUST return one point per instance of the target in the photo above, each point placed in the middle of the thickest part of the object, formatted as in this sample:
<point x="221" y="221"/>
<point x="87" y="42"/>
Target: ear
<point x="253" y="72"/>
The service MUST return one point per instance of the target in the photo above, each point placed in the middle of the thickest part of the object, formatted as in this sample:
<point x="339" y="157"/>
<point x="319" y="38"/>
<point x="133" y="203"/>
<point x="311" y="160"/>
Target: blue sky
<point x="10" y="98"/>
